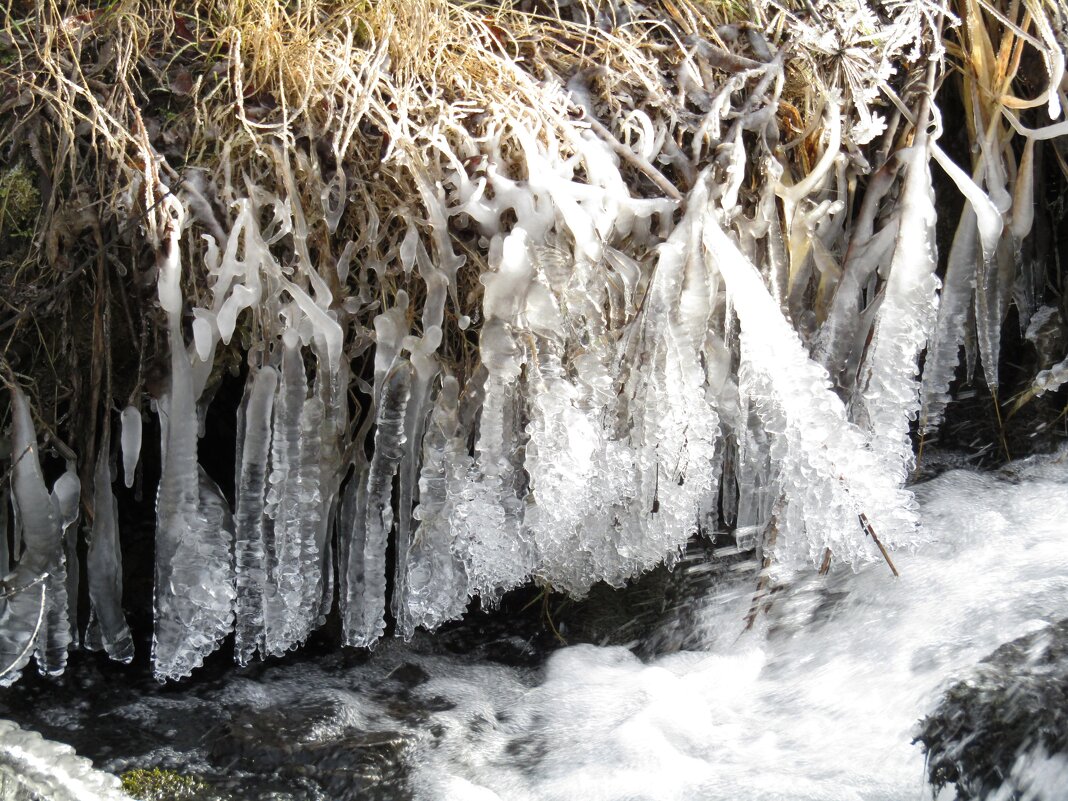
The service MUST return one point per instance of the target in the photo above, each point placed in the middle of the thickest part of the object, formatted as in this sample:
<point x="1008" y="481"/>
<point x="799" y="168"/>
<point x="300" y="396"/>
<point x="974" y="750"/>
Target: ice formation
<point x="131" y="443"/>
<point x="552" y="361"/>
<point x="603" y="405"/>
<point x="194" y="584"/>
<point x="107" y="629"/>
<point x="34" y="597"/>
<point x="33" y="767"/>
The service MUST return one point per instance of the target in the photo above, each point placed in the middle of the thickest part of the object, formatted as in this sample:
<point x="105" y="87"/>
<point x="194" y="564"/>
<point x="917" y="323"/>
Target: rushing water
<point x="822" y="704"/>
<point x="819" y="700"/>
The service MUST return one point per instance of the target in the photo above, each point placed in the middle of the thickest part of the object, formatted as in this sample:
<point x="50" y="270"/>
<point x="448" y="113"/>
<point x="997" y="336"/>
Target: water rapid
<point x="820" y="699"/>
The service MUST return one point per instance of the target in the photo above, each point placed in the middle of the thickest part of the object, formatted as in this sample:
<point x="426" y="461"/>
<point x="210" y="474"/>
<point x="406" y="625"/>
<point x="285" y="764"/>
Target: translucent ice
<point x="194" y="590"/>
<point x="103" y="563"/>
<point x="250" y="547"/>
<point x="131" y="442"/>
<point x="25" y="606"/>
<point x="364" y="618"/>
<point x="829" y="473"/>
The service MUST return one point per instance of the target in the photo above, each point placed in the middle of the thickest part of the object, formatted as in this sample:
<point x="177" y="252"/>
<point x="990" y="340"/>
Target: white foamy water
<point x="820" y="701"/>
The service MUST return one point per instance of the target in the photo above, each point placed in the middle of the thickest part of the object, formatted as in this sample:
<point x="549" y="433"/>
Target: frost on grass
<point x="511" y="313"/>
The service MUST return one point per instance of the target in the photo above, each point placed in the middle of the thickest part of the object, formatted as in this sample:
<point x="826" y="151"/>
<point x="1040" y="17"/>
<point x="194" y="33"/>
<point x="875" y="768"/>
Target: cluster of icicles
<point x="645" y="373"/>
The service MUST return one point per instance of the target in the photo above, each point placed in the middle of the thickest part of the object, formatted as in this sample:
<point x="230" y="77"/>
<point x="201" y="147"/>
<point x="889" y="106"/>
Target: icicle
<point x="107" y="624"/>
<point x="828" y="473"/>
<point x="59" y="627"/>
<point x="66" y="494"/>
<point x="23" y="599"/>
<point x="1023" y="217"/>
<point x="352" y="540"/>
<point x="988" y="320"/>
<point x="194" y="586"/>
<point x="250" y="549"/>
<point x="131" y="442"/>
<point x="425" y="370"/>
<point x="332" y="393"/>
<point x="489" y="518"/>
<point x="436" y="586"/>
<point x="1023" y="195"/>
<point x="5" y="533"/>
<point x="887" y="395"/>
<point x="943" y="351"/>
<point x="364" y="619"/>
<point x="991" y="287"/>
<point x="283" y="529"/>
<point x="307" y="563"/>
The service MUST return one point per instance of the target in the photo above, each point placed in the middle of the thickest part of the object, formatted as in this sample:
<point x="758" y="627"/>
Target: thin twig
<point x="870" y="530"/>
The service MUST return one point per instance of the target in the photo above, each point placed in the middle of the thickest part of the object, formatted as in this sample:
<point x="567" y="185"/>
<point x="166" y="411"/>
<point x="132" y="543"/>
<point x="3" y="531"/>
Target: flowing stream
<point x="822" y="704"/>
<point x="819" y="700"/>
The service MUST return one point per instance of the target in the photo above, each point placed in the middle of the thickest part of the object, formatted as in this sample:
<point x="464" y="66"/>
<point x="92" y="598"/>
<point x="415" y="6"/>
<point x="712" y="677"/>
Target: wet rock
<point x="655" y="612"/>
<point x="409" y="675"/>
<point x="323" y="739"/>
<point x="1003" y="732"/>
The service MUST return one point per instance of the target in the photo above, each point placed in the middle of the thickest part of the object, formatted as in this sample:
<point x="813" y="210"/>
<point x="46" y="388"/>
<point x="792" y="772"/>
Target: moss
<point x="157" y="784"/>
<point x="19" y="203"/>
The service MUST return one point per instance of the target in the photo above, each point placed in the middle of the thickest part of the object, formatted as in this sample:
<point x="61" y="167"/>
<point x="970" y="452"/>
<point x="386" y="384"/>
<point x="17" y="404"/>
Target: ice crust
<point x="33" y="767"/>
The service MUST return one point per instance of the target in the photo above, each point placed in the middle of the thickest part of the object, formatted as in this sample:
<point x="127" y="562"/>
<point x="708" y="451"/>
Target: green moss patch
<point x="20" y="202"/>
<point x="157" y="784"/>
